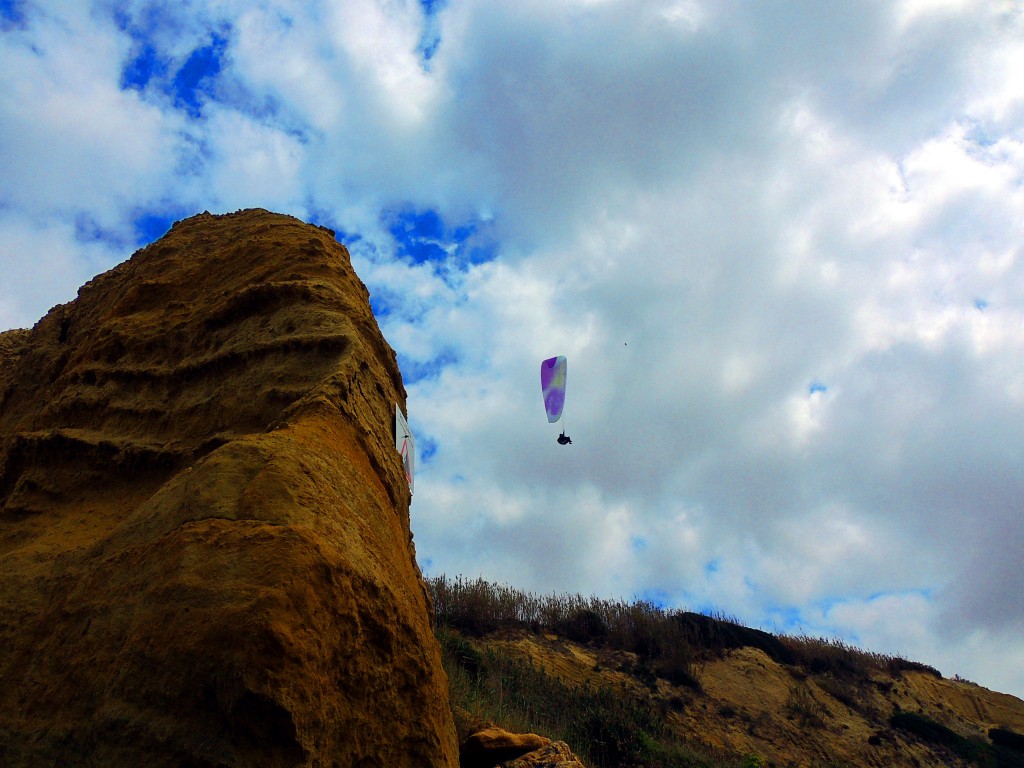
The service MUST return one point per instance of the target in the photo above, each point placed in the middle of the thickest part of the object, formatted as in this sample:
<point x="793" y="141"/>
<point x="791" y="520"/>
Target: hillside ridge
<point x="633" y="684"/>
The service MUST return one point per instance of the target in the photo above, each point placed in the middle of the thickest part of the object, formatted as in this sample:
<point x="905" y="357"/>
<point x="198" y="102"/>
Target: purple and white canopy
<point x="552" y="383"/>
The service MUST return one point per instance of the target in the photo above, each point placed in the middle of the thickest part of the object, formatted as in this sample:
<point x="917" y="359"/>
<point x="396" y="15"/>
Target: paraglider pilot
<point x="552" y="384"/>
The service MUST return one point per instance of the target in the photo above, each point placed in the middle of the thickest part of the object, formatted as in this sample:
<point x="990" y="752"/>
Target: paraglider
<point x="552" y="384"/>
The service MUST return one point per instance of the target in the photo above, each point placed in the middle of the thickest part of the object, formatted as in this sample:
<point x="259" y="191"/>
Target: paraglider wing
<point x="552" y="383"/>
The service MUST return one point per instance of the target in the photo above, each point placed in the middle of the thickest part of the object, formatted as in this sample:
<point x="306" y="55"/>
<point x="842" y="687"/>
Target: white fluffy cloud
<point x="74" y="142"/>
<point x="780" y="246"/>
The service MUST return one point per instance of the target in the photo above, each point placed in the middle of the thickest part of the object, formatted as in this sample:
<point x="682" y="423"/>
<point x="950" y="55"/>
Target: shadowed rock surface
<point x="205" y="552"/>
<point x="492" y="746"/>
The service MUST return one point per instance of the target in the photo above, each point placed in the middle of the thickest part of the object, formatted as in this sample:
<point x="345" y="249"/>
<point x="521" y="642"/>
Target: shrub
<point x="831" y="656"/>
<point x="972" y="750"/>
<point x="606" y="726"/>
<point x="478" y="608"/>
<point x="463" y="654"/>
<point x="584" y="625"/>
<point x="841" y="689"/>
<point x="1004" y="737"/>
<point x="719" y="635"/>
<point x="802" y="705"/>
<point x="896" y="664"/>
<point x="675" y="663"/>
<point x="925" y="727"/>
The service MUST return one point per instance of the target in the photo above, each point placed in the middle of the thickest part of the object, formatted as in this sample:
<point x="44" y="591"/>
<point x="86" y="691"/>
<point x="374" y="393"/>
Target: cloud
<point x="44" y="262"/>
<point x="780" y="248"/>
<point x="74" y="141"/>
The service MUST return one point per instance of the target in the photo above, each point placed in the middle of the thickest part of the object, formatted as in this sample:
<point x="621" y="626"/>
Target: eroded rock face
<point x="493" y="746"/>
<point x="555" y="755"/>
<point x="205" y="553"/>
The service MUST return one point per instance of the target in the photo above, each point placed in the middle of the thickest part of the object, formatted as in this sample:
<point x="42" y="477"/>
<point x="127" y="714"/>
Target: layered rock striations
<point x="205" y="552"/>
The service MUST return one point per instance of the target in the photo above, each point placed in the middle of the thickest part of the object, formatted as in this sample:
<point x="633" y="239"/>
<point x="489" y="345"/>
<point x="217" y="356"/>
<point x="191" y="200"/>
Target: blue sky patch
<point x="482" y="252"/>
<point x="977" y="134"/>
<point x="192" y="83"/>
<point x="187" y="82"/>
<point x="787" y="619"/>
<point x="423" y="237"/>
<point x="430" y="40"/>
<point x="348" y="239"/>
<point x="12" y="14"/>
<point x="426" y="447"/>
<point x="659" y="598"/>
<point x="383" y="299"/>
<point x="88" y="230"/>
<point x="428" y="46"/>
<point x="150" y="227"/>
<point x="145" y="64"/>
<point x="638" y="543"/>
<point x="815" y="387"/>
<point x="381" y="308"/>
<point x="320" y="217"/>
<point x="417" y="370"/>
<point x="422" y="251"/>
<point x="418" y="234"/>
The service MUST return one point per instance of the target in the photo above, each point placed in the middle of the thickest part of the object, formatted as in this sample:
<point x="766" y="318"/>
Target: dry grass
<point x="661" y="642"/>
<point x="805" y="708"/>
<point x="668" y="642"/>
<point x="835" y="658"/>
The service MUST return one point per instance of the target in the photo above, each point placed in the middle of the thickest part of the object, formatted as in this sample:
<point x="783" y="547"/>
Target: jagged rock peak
<point x="205" y="552"/>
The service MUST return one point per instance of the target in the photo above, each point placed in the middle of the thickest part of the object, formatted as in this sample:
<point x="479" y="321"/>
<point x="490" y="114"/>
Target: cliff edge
<point x="205" y="552"/>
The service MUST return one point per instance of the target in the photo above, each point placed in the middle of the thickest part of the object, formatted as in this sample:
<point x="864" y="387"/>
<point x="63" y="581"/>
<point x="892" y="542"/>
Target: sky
<point x="780" y="244"/>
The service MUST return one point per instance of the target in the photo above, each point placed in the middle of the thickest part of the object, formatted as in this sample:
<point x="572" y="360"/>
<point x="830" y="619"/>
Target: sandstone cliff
<point x="205" y="552"/>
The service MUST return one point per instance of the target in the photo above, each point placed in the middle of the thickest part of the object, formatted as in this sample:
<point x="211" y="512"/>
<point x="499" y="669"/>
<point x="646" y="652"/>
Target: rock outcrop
<point x="492" y="746"/>
<point x="205" y="551"/>
<point x="555" y="755"/>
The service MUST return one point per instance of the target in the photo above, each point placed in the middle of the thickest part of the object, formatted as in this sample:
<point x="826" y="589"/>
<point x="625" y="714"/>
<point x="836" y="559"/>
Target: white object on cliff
<point x="405" y="444"/>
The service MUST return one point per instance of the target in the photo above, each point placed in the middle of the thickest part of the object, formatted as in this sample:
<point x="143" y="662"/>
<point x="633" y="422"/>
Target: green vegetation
<point x="605" y="726"/>
<point x="802" y="706"/>
<point x="663" y="644"/>
<point x="1004" y="737"/>
<point x="974" y="750"/>
<point x="843" y="689"/>
<point x="825" y="656"/>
